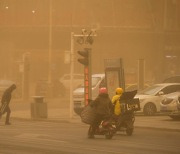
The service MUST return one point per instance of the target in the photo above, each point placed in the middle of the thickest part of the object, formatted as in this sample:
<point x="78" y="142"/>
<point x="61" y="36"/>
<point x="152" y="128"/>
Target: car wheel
<point x="149" y="109"/>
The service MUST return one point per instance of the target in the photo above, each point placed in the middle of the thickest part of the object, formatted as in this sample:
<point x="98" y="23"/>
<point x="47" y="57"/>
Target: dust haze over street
<point x="40" y="42"/>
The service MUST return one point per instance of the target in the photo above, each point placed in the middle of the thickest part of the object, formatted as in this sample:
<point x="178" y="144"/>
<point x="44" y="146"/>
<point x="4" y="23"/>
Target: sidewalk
<point x="58" y="111"/>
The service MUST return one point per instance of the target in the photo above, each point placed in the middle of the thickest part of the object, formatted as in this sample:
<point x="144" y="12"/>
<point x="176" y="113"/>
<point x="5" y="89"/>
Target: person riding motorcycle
<point x="115" y="101"/>
<point x="103" y="107"/>
<point x="117" y="106"/>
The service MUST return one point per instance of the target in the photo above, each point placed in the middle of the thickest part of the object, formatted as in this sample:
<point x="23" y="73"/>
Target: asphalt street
<point x="59" y="111"/>
<point x="40" y="137"/>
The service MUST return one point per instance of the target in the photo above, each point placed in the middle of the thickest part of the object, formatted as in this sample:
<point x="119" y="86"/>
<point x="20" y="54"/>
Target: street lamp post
<point x="71" y="74"/>
<point x="50" y="49"/>
<point x="88" y="40"/>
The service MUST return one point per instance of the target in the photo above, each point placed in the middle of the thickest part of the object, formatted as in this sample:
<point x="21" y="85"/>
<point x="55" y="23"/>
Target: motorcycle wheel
<point x="129" y="131"/>
<point x="109" y="135"/>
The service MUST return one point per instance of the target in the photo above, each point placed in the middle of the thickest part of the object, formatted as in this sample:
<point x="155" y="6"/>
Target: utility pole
<point x="50" y="49"/>
<point x="25" y="76"/>
<point x="165" y="16"/>
<point x="71" y="74"/>
<point x="141" y="73"/>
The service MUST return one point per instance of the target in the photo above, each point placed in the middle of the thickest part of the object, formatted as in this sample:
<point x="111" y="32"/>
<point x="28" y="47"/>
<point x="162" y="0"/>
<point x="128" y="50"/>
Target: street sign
<point x="114" y="75"/>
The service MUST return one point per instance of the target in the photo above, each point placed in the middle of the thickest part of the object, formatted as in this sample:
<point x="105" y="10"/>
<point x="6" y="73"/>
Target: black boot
<point x="8" y="117"/>
<point x="7" y="123"/>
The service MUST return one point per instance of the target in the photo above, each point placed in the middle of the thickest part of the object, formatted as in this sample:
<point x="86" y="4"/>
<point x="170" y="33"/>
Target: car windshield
<point x="151" y="90"/>
<point x="95" y="80"/>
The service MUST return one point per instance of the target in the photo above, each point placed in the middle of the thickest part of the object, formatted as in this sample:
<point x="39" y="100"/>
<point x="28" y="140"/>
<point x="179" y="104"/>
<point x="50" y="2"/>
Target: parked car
<point x="98" y="80"/>
<point x="170" y="103"/>
<point x="151" y="97"/>
<point x="43" y="88"/>
<point x="78" y="79"/>
<point x="172" y="79"/>
<point x="131" y="87"/>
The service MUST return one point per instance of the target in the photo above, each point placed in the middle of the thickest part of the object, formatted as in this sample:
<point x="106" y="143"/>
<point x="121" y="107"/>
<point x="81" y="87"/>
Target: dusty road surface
<point x="40" y="137"/>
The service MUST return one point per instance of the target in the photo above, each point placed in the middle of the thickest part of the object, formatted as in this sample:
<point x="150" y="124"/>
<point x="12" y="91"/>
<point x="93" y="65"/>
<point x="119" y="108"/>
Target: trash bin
<point x="38" y="108"/>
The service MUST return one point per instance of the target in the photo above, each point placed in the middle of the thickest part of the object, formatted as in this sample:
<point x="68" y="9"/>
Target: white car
<point x="171" y="102"/>
<point x="151" y="97"/>
<point x="98" y="80"/>
<point x="78" y="79"/>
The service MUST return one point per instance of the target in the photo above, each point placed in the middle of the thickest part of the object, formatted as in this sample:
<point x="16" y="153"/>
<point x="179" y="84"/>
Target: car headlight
<point x="166" y="101"/>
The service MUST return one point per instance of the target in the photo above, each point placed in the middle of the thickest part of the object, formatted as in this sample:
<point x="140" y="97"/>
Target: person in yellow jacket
<point x="116" y="102"/>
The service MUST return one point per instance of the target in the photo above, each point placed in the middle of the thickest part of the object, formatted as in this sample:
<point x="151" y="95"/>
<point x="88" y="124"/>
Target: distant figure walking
<point x="6" y="98"/>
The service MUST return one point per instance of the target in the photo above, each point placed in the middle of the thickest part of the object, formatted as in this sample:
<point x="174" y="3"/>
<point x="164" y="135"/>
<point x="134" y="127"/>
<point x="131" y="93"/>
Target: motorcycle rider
<point x="103" y="107"/>
<point x="116" y="104"/>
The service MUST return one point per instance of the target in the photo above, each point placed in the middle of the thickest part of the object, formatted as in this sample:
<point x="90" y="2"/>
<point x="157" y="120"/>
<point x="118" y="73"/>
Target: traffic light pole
<point x="72" y="68"/>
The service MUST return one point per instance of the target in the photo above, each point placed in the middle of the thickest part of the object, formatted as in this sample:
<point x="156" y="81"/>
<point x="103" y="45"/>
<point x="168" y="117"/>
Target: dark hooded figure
<point x="103" y="108"/>
<point x="6" y="98"/>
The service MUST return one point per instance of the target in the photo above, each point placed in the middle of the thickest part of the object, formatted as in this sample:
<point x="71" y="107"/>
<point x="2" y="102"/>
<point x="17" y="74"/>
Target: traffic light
<point x="86" y="61"/>
<point x="86" y="56"/>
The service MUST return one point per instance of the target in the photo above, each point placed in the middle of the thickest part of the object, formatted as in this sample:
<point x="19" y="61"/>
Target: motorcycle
<point x="105" y="128"/>
<point x="129" y="104"/>
<point x="125" y="123"/>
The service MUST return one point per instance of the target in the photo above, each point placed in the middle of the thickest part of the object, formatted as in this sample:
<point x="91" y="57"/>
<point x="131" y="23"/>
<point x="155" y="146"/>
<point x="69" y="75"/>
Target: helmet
<point x="119" y="91"/>
<point x="103" y="90"/>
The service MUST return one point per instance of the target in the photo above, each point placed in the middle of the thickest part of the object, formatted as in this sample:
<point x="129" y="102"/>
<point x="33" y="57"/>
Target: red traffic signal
<point x="85" y="55"/>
